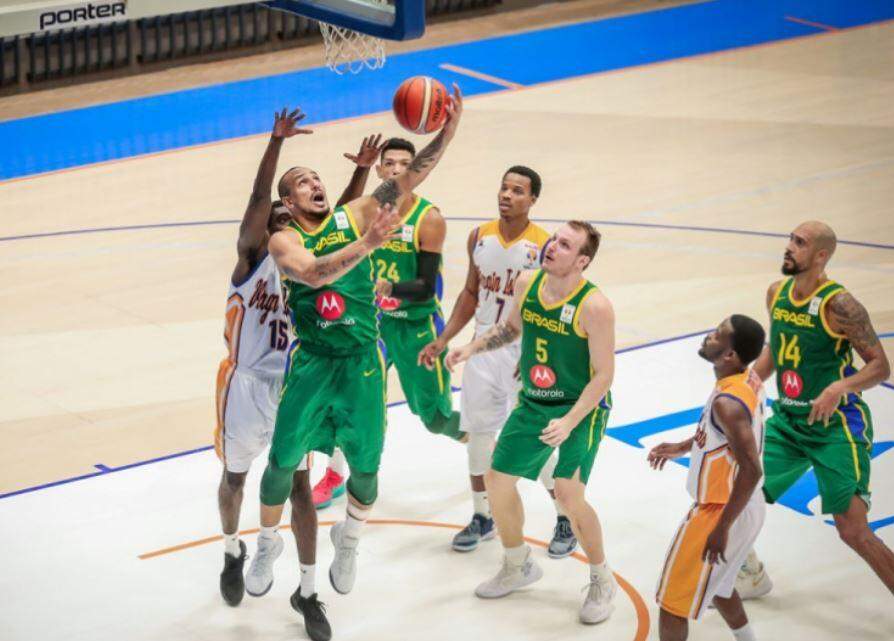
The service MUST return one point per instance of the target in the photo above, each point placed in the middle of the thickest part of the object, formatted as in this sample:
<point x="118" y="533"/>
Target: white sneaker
<point x="753" y="582"/>
<point x="259" y="579"/>
<point x="597" y="605"/>
<point x="510" y="578"/>
<point x="343" y="570"/>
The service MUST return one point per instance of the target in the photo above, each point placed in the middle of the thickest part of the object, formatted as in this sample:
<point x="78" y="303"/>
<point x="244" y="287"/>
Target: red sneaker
<point x="331" y="486"/>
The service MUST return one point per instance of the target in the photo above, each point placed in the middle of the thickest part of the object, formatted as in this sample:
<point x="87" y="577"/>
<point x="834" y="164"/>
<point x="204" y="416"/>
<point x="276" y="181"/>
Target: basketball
<point x="420" y="104"/>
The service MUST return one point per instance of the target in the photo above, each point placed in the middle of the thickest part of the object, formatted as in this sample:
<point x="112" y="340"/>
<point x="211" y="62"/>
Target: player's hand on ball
<point x="285" y="124"/>
<point x="383" y="288"/>
<point x="430" y="353"/>
<point x="556" y="432"/>
<point x="661" y="454"/>
<point x="454" y="111"/>
<point x="369" y="151"/>
<point x="715" y="546"/>
<point x="457" y="356"/>
<point x="383" y="227"/>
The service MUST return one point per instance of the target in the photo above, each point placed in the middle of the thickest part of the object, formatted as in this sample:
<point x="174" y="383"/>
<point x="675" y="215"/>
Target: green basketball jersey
<point x="339" y="318"/>
<point x="808" y="355"/>
<point x="555" y="356"/>
<point x="396" y="261"/>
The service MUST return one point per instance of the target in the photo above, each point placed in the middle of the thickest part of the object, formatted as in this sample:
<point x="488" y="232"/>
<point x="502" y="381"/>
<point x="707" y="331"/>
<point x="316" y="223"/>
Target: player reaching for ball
<point x="334" y="391"/>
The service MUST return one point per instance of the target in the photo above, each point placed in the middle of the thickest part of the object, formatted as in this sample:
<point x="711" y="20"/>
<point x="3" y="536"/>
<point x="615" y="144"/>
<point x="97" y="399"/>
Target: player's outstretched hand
<point x="285" y="125"/>
<point x="430" y="353"/>
<point x="661" y="454"/>
<point x="556" y="432"/>
<point x="383" y="227"/>
<point x="454" y="110"/>
<point x="457" y="356"/>
<point x="369" y="151"/>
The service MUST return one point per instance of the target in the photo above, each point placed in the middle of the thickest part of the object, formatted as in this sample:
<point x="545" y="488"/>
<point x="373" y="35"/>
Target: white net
<point x="350" y="51"/>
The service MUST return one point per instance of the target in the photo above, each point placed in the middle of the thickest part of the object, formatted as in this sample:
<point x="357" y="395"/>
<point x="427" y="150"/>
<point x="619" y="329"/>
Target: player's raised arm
<point x="299" y="264"/>
<point x="736" y="423"/>
<point x="363" y="159"/>
<point x="393" y="190"/>
<point x="463" y="310"/>
<point x="253" y="230"/>
<point x="764" y="365"/>
<point x="598" y="321"/>
<point x="847" y="316"/>
<point x="500" y="334"/>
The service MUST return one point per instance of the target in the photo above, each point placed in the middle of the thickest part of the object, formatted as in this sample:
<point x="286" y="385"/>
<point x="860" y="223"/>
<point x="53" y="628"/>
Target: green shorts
<point x="427" y="391"/>
<point x="839" y="453"/>
<point x="330" y="402"/>
<point x="520" y="452"/>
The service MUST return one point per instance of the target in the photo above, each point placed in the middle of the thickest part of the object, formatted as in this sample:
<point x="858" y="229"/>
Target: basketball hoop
<point x="351" y="51"/>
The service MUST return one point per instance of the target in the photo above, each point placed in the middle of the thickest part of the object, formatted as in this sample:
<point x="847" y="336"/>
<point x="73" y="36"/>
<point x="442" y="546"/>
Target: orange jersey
<point x="712" y="468"/>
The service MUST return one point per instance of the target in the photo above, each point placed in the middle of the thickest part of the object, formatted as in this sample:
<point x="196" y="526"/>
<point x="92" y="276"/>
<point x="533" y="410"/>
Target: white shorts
<point x="490" y="389"/>
<point x="246" y="414"/>
<point x="688" y="584"/>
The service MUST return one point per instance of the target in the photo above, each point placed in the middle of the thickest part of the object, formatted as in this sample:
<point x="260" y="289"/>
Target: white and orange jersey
<point x="712" y="468"/>
<point x="499" y="263"/>
<point x="257" y="323"/>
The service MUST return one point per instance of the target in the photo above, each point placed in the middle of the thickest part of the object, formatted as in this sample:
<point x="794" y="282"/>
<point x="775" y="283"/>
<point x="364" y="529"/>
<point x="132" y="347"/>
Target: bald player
<point x="820" y="419"/>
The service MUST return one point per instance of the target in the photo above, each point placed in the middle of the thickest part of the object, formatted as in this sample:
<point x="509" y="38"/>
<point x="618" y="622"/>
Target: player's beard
<point x="792" y="270"/>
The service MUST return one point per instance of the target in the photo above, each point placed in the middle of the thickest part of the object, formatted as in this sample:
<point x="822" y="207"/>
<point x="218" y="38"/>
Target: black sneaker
<point x="563" y="543"/>
<point x="232" y="585"/>
<point x="314" y="613"/>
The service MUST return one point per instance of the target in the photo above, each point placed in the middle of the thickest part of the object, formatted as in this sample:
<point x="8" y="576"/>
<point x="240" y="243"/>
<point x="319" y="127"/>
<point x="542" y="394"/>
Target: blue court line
<point x="103" y="469"/>
<point x="614" y="223"/>
<point x="125" y="129"/>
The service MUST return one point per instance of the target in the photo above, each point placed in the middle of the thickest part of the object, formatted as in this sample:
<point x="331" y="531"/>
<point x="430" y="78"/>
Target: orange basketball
<point x="420" y="104"/>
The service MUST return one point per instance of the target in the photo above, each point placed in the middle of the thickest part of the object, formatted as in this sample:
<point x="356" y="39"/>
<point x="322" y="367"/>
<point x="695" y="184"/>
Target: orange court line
<point x="481" y="76"/>
<point x="547" y="83"/>
<point x="818" y="25"/>
<point x="643" y="621"/>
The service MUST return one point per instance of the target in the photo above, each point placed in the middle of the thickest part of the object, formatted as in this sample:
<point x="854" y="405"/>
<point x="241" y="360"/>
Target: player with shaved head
<point x="820" y="419"/>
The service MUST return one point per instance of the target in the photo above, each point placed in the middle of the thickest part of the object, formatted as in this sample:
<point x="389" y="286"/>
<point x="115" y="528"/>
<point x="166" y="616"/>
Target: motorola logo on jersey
<point x="542" y="376"/>
<point x="330" y="305"/>
<point x="792" y="384"/>
<point x="388" y="304"/>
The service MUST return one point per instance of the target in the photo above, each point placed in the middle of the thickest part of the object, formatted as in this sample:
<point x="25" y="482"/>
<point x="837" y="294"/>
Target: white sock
<point x="482" y="505"/>
<point x="558" y="505"/>
<point x="745" y="633"/>
<point x="267" y="532"/>
<point x="601" y="570"/>
<point x="231" y="544"/>
<point x="337" y="463"/>
<point x="308" y="576"/>
<point x="517" y="556"/>
<point x="355" y="517"/>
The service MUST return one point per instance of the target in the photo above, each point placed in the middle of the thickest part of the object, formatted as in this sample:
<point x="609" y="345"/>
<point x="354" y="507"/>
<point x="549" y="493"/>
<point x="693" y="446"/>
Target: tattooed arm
<point x="845" y="315"/>
<point x="764" y="365"/>
<point x="392" y="191"/>
<point x="500" y="334"/>
<point x="299" y="264"/>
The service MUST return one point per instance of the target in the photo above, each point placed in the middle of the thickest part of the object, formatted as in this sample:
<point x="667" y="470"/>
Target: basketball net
<point x="352" y="51"/>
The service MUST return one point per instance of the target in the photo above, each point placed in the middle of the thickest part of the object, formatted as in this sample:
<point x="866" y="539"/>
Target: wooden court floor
<point x="109" y="341"/>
